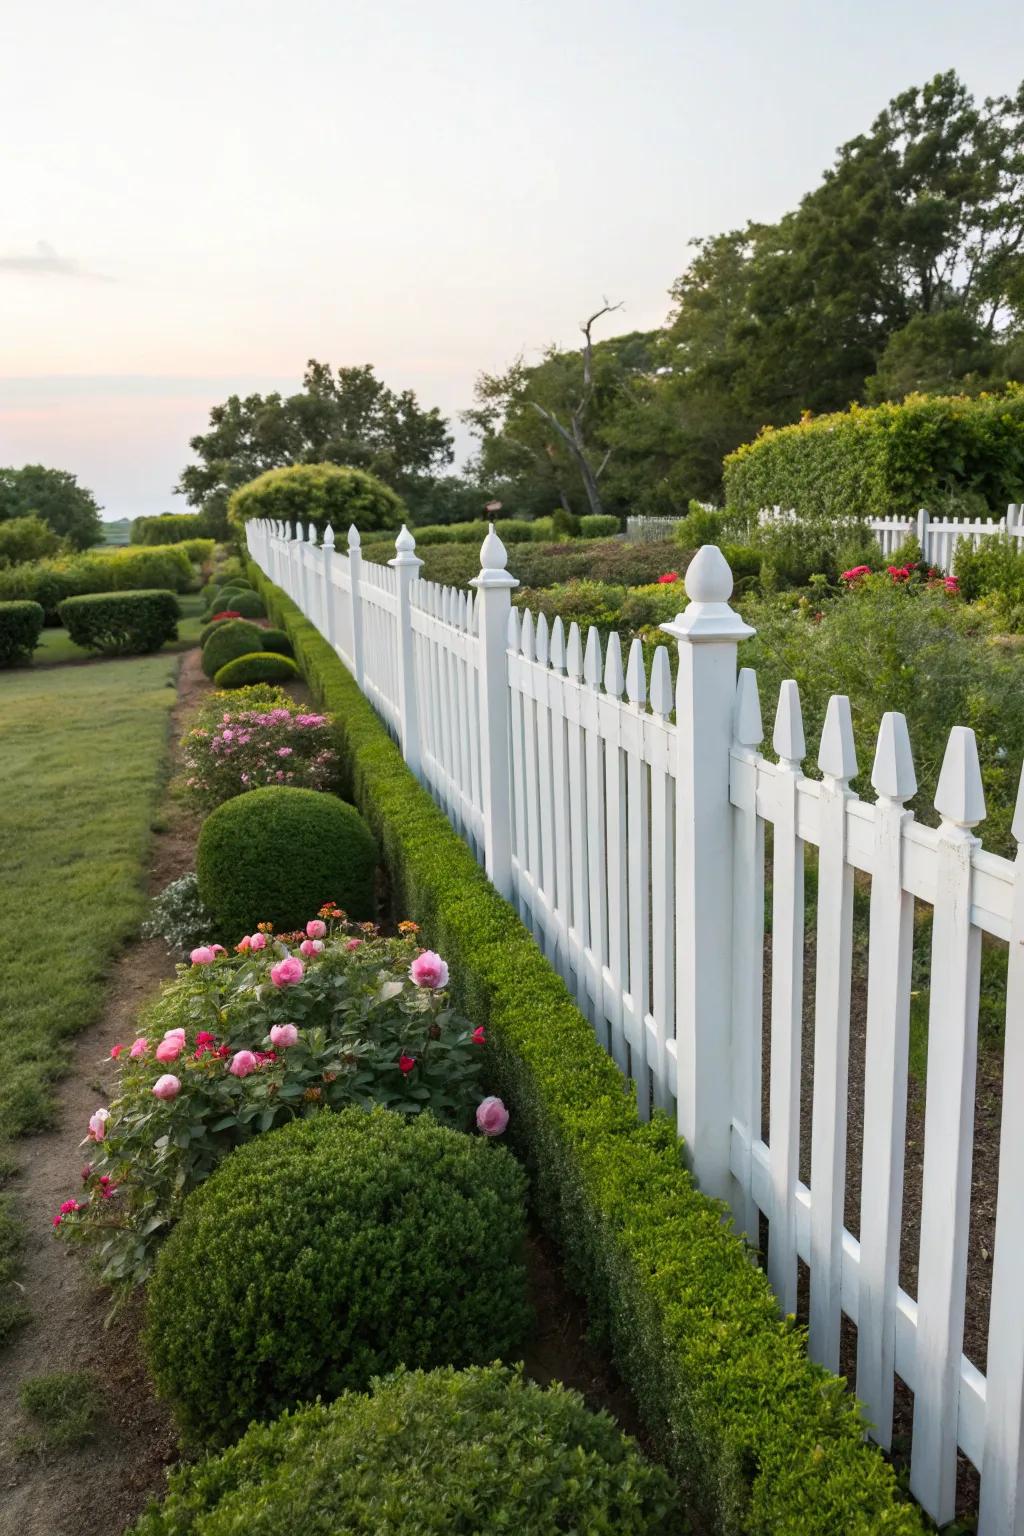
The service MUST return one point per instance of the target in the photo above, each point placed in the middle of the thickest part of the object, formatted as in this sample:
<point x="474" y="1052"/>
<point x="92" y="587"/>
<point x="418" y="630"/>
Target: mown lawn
<point x="56" y="645"/>
<point x="82" y="751"/>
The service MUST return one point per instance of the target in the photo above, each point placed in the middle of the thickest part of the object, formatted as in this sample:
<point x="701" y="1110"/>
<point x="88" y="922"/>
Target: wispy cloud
<point x="44" y="261"/>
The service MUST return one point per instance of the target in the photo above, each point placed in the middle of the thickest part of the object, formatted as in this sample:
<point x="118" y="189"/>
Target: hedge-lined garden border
<point x="761" y="1438"/>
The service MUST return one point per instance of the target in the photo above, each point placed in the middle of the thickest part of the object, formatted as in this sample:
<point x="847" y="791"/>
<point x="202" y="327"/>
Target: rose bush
<point x="246" y="748"/>
<point x="243" y="1042"/>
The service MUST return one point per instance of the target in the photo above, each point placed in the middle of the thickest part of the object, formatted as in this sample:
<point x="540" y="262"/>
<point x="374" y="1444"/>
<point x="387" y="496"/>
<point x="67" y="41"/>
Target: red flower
<point x="669" y="576"/>
<point x="205" y="1038"/>
<point x="406" y="1064"/>
<point x="226" y="613"/>
<point x="115" y="1051"/>
<point x="899" y="572"/>
<point x="69" y="1205"/>
<point x="86" y="1171"/>
<point x="478" y="1035"/>
<point x="856" y="572"/>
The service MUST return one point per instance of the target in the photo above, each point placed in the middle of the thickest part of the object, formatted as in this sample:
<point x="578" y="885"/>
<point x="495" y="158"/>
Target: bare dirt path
<point x="99" y="1489"/>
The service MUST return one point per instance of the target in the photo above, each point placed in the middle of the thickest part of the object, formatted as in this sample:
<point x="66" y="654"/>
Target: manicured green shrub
<point x="277" y="640"/>
<point x="582" y="602"/>
<point x="237" y="584"/>
<point x="199" y="551"/>
<point x="209" y="592"/>
<point x="321" y="493"/>
<point x="49" y="582"/>
<point x="656" y="603"/>
<point x="25" y="539"/>
<point x="256" y="667"/>
<point x="248" y="604"/>
<point x="428" y="1453"/>
<point x="762" y="1439"/>
<point x="946" y="453"/>
<point x="565" y="525"/>
<point x="21" y="624"/>
<point x="208" y="629"/>
<point x="235" y="637"/>
<point x="701" y="525"/>
<point x="277" y="854"/>
<point x="121" y="623"/>
<point x="169" y="528"/>
<point x="329" y="1252"/>
<point x="598" y="525"/>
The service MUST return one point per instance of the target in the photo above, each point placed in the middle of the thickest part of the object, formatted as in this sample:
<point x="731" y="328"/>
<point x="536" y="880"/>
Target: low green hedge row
<point x="131" y="569"/>
<point x="172" y="528"/>
<point x="121" y="623"/>
<point x="513" y="530"/>
<point x="765" y="1440"/>
<point x="21" y="624"/>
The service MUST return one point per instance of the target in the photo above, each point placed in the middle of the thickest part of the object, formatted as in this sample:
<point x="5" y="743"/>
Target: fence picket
<point x="638" y="876"/>
<point x="617" y="847"/>
<point x="663" y="841"/>
<point x="748" y="944"/>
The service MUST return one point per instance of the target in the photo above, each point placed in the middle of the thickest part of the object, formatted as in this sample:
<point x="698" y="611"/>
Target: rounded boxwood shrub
<point x="277" y="854"/>
<point x="208" y="629"/>
<point x="426" y="1453"/>
<point x="256" y="667"/>
<point x="331" y="1251"/>
<point x="277" y="640"/>
<point x="249" y="604"/>
<point x="121" y="623"/>
<point x="21" y="624"/>
<point x="235" y="637"/>
<point x="321" y="493"/>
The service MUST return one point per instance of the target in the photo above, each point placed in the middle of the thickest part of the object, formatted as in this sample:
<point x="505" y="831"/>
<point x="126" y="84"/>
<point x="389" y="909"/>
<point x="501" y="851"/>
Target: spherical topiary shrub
<point x="249" y="604"/>
<point x="277" y="854"/>
<point x="277" y="640"/>
<point x="427" y="1453"/>
<point x="208" y="629"/>
<point x="331" y="1251"/>
<point x="318" y="493"/>
<point x="236" y="637"/>
<point x="256" y="667"/>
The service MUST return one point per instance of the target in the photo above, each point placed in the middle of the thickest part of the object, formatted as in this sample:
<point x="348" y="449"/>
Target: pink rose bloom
<point x="478" y="1035"/>
<point x="283" y="1034"/>
<point x="204" y="955"/>
<point x="242" y="1063"/>
<point x="175" y="1034"/>
<point x="429" y="970"/>
<point x="69" y="1205"/>
<point x="98" y="1124"/>
<point x="315" y="929"/>
<point x="243" y="944"/>
<point x="286" y="971"/>
<point x="258" y="941"/>
<point x="491" y="1117"/>
<point x="353" y="943"/>
<point x="311" y="946"/>
<point x="115" y="1051"/>
<point x="166" y="1087"/>
<point x="170" y="1049"/>
<point x="218" y="949"/>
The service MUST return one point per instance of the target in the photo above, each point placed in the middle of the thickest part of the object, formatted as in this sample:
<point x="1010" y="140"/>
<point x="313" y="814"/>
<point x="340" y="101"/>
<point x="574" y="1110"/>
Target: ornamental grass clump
<point x="331" y="1252"/>
<point x="245" y="749"/>
<point x="280" y="1029"/>
<point x="454" y="1452"/>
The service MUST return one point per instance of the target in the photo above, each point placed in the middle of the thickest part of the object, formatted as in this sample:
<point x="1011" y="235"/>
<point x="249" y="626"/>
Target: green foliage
<point x="580" y="601"/>
<point x="177" y="915"/>
<point x="277" y="854"/>
<point x="256" y="667"/>
<point x="248" y="604"/>
<point x="701" y="525"/>
<point x="792" y="553"/>
<point x="48" y="582"/>
<point x="329" y="1252"/>
<point x="26" y="538"/>
<point x="21" y="624"/>
<point x="208" y="629"/>
<point x="261" y="696"/>
<point x="885" y="461"/>
<point x="121" y="623"/>
<point x="319" y="493"/>
<point x="761" y="1438"/>
<point x="648" y="606"/>
<point x="170" y="528"/>
<point x="230" y="639"/>
<point x="56" y="497"/>
<point x="994" y="571"/>
<point x="598" y="525"/>
<point x="65" y="1405"/>
<point x="277" y="640"/>
<point x="440" y="1454"/>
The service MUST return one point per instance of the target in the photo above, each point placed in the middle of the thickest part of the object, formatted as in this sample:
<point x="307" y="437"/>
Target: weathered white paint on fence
<point x="633" y="845"/>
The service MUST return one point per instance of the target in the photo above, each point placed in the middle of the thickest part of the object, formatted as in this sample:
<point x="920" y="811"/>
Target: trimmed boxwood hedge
<point x="235" y="637"/>
<point x="256" y="667"/>
<point x="21" y="624"/>
<point x="444" y="1453"/>
<point x="765" y="1439"/>
<point x="121" y="623"/>
<point x="277" y="640"/>
<point x="208" y="629"/>
<point x="331" y="1251"/>
<point x="277" y="854"/>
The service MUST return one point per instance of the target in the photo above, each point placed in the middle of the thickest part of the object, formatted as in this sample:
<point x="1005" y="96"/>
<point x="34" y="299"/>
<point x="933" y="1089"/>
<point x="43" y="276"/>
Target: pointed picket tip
<point x="959" y="796"/>
<point x="614" y="681"/>
<point x="300" y="533"/>
<point x="636" y="676"/>
<point x="788" y="735"/>
<point x="837" y="753"/>
<point x="592" y="658"/>
<point x="353" y="536"/>
<point x="526" y="636"/>
<point x="574" y="653"/>
<point x="557" y="645"/>
<point x="748" y="727"/>
<point x="512" y="629"/>
<point x="892" y="773"/>
<point x="405" y="543"/>
<point x="311" y="533"/>
<point x="661" y="683"/>
<point x="328" y="537"/>
<point x="540" y="647"/>
<point x="1017" y="825"/>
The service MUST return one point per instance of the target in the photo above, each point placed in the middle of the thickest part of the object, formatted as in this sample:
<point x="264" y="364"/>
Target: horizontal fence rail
<point x="634" y="825"/>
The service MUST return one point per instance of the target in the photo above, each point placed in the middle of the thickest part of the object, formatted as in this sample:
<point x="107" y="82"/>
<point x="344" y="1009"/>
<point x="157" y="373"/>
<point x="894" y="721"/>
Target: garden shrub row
<point x="256" y="667"/>
<point x="171" y="528"/>
<point x="765" y="1440"/>
<point x="121" y="623"/>
<point x="958" y="454"/>
<point x="541" y="565"/>
<point x="21" y="624"/>
<point x="49" y="582"/>
<point x="321" y="493"/>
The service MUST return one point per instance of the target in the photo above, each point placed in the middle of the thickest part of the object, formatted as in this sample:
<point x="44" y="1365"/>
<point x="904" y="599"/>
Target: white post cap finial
<point x="405" y="550"/>
<point x="493" y="562"/>
<point x="353" y="536"/>
<point x="892" y="774"/>
<point x="837" y="752"/>
<point x="959" y="796"/>
<point x="328" y="537"/>
<point x="709" y="587"/>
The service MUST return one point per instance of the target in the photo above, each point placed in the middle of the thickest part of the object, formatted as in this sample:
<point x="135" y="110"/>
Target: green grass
<point x="56" y="645"/>
<point x="64" y="1408"/>
<point x="13" y="1311"/>
<point x="82" y="750"/>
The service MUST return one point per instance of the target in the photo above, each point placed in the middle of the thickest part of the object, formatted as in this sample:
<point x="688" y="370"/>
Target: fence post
<point x="707" y="632"/>
<point x="922" y="534"/>
<point x="407" y="566"/>
<point x="355" y="569"/>
<point x="494" y="589"/>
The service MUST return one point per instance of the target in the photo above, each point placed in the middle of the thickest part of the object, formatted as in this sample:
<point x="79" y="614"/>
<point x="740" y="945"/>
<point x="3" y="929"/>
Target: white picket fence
<point x="938" y="537"/>
<point x="633" y="845"/>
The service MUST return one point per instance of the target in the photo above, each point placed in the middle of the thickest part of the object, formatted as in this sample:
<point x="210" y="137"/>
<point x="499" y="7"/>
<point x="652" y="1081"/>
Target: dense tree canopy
<point x="54" y="496"/>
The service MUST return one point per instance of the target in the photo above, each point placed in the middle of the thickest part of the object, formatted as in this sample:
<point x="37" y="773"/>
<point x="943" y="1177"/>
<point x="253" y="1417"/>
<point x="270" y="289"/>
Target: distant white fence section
<point x="938" y="537"/>
<point x="633" y="845"/>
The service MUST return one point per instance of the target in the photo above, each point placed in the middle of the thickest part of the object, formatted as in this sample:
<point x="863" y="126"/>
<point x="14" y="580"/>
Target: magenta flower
<point x="170" y="1048"/>
<point x="315" y="929"/>
<point x="98" y="1124"/>
<point x="429" y="970"/>
<point x="406" y="1064"/>
<point x="286" y="971"/>
<point x="491" y="1117"/>
<point x="166" y="1087"/>
<point x="204" y="955"/>
<point x="242" y="1063"/>
<point x="353" y="943"/>
<point x="258" y="941"/>
<point x="478" y="1035"/>
<point x="283" y="1034"/>
<point x="68" y="1206"/>
<point x="115" y="1051"/>
<point x="311" y="946"/>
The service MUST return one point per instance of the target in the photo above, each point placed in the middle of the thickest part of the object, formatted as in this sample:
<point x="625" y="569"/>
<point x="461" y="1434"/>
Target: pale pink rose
<point x="315" y="929"/>
<point x="242" y="1063"/>
<point x="491" y="1117"/>
<point x="353" y="943"/>
<point x="170" y="1049"/>
<point x="175" y="1034"/>
<point x="98" y="1124"/>
<point x="166" y="1087"/>
<point x="258" y="941"/>
<point x="204" y="955"/>
<point x="244" y="944"/>
<point x="139" y="1048"/>
<point x="218" y="949"/>
<point x="283" y="1034"/>
<point x="429" y="970"/>
<point x="286" y="971"/>
<point x="311" y="946"/>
